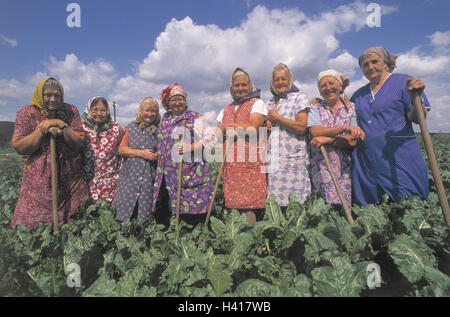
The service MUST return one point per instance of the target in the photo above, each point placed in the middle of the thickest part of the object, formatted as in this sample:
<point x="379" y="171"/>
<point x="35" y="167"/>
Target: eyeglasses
<point x="49" y="95"/>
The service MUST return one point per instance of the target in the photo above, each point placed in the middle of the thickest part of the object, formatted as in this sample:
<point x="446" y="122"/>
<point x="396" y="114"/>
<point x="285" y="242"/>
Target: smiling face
<point x="99" y="112"/>
<point x="149" y="113"/>
<point x="241" y="86"/>
<point x="52" y="99"/>
<point x="330" y="89"/>
<point x="373" y="68"/>
<point x="281" y="81"/>
<point x="177" y="104"/>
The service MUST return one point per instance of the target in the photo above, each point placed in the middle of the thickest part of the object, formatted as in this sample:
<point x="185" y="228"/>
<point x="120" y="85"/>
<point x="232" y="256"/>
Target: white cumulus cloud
<point x="201" y="58"/>
<point x="80" y="79"/>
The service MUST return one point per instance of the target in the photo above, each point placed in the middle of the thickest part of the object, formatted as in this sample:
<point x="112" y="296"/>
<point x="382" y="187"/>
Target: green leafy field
<point x="310" y="250"/>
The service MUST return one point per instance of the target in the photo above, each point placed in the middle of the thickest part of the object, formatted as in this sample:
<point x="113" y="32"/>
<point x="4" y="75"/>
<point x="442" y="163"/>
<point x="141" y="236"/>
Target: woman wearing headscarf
<point x="134" y="193"/>
<point x="183" y="132"/>
<point x="48" y="115"/>
<point x="332" y="123"/>
<point x="389" y="159"/>
<point x="244" y="178"/>
<point x="287" y="119"/>
<point x="102" y="161"/>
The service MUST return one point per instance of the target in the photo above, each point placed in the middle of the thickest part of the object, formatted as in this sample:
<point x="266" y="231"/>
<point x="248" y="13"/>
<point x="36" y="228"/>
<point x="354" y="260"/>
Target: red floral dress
<point x="35" y="201"/>
<point x="102" y="162"/>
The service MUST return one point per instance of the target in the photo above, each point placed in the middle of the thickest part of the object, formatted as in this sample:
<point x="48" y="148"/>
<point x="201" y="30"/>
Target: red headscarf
<point x="170" y="91"/>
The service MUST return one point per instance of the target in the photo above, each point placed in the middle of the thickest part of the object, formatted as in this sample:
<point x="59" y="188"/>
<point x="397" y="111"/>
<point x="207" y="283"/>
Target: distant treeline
<point x="6" y="132"/>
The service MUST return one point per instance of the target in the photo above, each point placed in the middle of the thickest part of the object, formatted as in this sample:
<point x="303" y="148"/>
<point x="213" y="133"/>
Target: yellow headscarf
<point x="38" y="99"/>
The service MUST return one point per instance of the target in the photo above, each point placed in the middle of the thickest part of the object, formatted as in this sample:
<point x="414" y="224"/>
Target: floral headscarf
<point x="170" y="91"/>
<point x="89" y="121"/>
<point x="388" y="59"/>
<point x="38" y="99"/>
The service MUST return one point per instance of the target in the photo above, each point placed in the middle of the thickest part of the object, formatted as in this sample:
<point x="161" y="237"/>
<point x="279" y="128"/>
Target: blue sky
<point x="127" y="50"/>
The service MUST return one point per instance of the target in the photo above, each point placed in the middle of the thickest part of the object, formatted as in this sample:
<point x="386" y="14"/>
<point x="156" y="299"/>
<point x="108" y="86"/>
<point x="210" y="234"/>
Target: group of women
<point x="369" y="139"/>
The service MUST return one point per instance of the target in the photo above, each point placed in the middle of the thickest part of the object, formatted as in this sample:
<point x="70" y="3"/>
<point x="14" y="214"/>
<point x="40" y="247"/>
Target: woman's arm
<point x="30" y="143"/>
<point x="126" y="151"/>
<point x="74" y="139"/>
<point x="297" y="126"/>
<point x="413" y="85"/>
<point x="355" y="132"/>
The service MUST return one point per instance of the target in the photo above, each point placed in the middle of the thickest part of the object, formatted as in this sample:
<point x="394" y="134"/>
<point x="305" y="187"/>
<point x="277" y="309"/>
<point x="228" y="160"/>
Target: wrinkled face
<point x="99" y="112"/>
<point x="281" y="81"/>
<point x="177" y="104"/>
<point x="373" y="67"/>
<point x="52" y="99"/>
<point x="329" y="89"/>
<point x="149" y="113"/>
<point x="240" y="86"/>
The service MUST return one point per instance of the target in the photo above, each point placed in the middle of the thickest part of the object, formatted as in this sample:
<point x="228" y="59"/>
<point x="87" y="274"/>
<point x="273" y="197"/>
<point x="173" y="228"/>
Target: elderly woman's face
<point x="149" y="113"/>
<point x="52" y="99"/>
<point x="373" y="67"/>
<point x="281" y="81"/>
<point x="177" y="104"/>
<point x="240" y="86"/>
<point x="330" y="89"/>
<point x="99" y="112"/>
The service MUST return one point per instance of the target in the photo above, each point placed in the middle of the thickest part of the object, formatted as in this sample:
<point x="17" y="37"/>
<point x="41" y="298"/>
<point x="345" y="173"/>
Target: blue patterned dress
<point x="288" y="171"/>
<point x="136" y="177"/>
<point x="389" y="159"/>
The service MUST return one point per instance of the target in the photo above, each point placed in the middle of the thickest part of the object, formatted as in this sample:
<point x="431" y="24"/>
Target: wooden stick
<point x="114" y="107"/>
<point x="432" y="158"/>
<point x="180" y="176"/>
<point x="347" y="210"/>
<point x="216" y="186"/>
<point x="54" y="175"/>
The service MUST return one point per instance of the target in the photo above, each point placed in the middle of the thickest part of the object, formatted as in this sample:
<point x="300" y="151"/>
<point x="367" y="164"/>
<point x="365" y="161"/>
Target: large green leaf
<point x="373" y="220"/>
<point x="254" y="288"/>
<point x="340" y="279"/>
<point x="219" y="275"/>
<point x="274" y="211"/>
<point x="438" y="281"/>
<point x="411" y="255"/>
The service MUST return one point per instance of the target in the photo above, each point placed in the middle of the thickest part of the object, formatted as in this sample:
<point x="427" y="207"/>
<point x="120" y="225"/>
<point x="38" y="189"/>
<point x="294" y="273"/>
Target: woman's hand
<point x="149" y="155"/>
<point x="272" y="115"/>
<point x="183" y="145"/>
<point x="46" y="125"/>
<point x="414" y="84"/>
<point x="321" y="140"/>
<point x="54" y="131"/>
<point x="356" y="132"/>
<point x="315" y="101"/>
